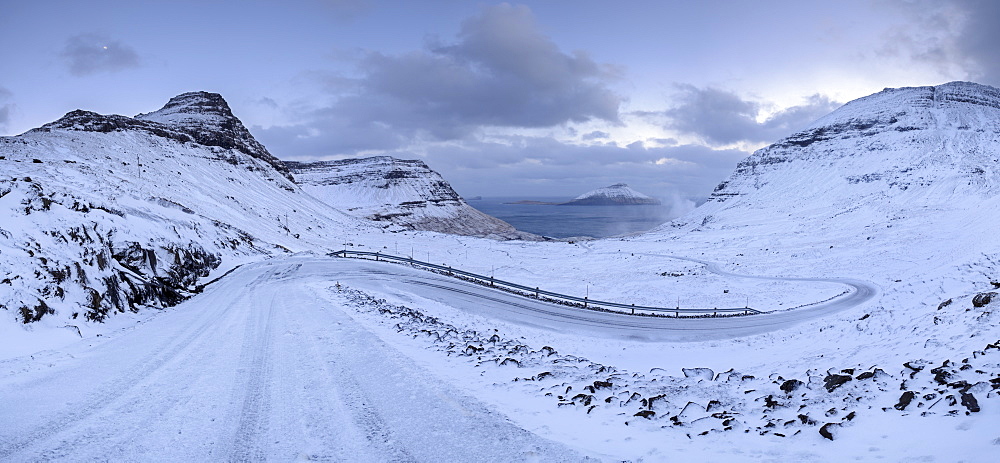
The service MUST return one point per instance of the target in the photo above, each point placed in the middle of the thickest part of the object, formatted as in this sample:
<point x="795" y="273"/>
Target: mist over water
<point x="570" y="221"/>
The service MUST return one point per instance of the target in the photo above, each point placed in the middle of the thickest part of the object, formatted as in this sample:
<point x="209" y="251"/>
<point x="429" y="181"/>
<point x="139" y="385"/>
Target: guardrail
<point x="549" y="296"/>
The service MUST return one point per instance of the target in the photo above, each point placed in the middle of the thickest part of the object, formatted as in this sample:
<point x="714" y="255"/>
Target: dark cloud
<point x="87" y="54"/>
<point x="721" y="117"/>
<point x="957" y="39"/>
<point x="979" y="38"/>
<point x="522" y="166"/>
<point x="501" y="72"/>
<point x="315" y="139"/>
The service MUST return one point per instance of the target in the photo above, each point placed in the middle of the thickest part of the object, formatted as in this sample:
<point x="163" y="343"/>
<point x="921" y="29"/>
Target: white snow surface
<point x="310" y="357"/>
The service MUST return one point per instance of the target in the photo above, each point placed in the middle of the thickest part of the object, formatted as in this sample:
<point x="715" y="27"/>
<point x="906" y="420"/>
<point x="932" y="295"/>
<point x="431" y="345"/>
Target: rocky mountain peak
<point x="207" y="118"/>
<point x="193" y="107"/>
<point x="195" y="117"/>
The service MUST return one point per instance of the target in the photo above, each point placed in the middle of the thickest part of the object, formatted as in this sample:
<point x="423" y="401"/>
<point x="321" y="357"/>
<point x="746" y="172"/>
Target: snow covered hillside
<point x="104" y="214"/>
<point x="895" y="155"/>
<point x="405" y="194"/>
<point x="893" y="188"/>
<point x="618" y="194"/>
<point x="866" y="239"/>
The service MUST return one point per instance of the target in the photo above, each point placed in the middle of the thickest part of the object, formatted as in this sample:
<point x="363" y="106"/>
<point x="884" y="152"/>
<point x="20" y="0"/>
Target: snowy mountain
<point x="405" y="194"/>
<point x="866" y="239"/>
<point x="894" y="155"/>
<point x="106" y="214"/>
<point x="618" y="194"/>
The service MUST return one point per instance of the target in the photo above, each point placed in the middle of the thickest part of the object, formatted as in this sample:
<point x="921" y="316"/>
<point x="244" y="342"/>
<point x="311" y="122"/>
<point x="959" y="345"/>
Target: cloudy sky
<point x="546" y="98"/>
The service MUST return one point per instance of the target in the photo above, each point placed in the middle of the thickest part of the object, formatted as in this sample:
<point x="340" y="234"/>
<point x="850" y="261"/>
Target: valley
<point x="167" y="289"/>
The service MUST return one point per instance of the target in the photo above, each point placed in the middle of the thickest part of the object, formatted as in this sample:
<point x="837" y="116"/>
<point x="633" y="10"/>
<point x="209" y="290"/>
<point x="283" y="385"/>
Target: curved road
<point x="402" y="281"/>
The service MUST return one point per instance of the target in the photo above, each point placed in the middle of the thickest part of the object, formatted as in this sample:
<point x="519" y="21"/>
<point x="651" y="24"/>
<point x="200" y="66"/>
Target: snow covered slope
<point x="898" y="189"/>
<point x="404" y="193"/>
<point x="618" y="194"/>
<point x="895" y="155"/>
<point x="107" y="214"/>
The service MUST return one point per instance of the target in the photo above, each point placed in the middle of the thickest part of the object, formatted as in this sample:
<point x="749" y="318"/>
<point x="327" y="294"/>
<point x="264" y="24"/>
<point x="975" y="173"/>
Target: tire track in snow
<point x="255" y="376"/>
<point x="353" y="398"/>
<point x="105" y="394"/>
<point x="324" y="424"/>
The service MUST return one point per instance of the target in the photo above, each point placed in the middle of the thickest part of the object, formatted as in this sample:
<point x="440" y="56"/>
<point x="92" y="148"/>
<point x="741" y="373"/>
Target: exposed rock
<point x="829" y="430"/>
<point x="648" y="414"/>
<point x="969" y="402"/>
<point x="832" y="382"/>
<point x="981" y="299"/>
<point x="904" y="400"/>
<point x="791" y="385"/>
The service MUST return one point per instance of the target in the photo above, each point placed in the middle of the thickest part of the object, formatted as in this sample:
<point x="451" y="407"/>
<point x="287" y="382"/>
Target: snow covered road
<point x="404" y="282"/>
<point x="260" y="366"/>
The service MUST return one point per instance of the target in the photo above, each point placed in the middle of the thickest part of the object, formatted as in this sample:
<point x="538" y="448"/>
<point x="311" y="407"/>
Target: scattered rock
<point x="904" y="400"/>
<point x="832" y="382"/>
<point x="941" y="375"/>
<point x="828" y="430"/>
<point x="981" y="299"/>
<point x="602" y="384"/>
<point x="791" y="385"/>
<point x="969" y="402"/>
<point x="701" y="373"/>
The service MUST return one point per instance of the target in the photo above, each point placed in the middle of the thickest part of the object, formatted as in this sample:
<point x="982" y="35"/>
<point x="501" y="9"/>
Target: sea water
<point x="573" y="221"/>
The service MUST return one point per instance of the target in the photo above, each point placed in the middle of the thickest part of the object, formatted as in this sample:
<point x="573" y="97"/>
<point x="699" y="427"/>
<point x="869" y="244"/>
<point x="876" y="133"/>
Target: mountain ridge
<point x="901" y="148"/>
<point x="406" y="194"/>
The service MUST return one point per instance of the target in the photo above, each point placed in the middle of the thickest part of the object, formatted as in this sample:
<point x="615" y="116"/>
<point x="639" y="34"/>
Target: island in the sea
<point x="618" y="194"/>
